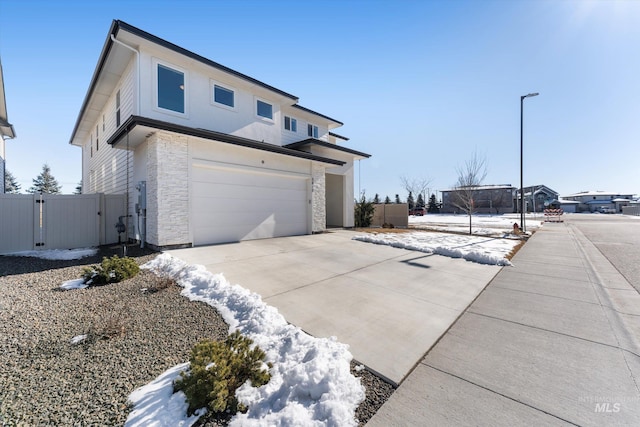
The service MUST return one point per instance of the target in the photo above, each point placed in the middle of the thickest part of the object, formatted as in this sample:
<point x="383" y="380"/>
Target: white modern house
<point x="6" y="130"/>
<point x="594" y="201"/>
<point x="206" y="154"/>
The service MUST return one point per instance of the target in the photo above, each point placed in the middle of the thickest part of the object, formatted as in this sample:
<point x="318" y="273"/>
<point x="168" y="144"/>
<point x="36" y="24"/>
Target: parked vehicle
<point x="606" y="210"/>
<point x="417" y="211"/>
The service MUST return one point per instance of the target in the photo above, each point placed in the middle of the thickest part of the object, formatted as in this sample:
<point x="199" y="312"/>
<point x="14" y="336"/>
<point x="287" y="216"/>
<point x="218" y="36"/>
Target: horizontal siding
<point x="105" y="168"/>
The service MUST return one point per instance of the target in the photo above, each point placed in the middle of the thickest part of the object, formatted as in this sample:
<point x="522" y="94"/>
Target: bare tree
<point x="470" y="177"/>
<point x="415" y="186"/>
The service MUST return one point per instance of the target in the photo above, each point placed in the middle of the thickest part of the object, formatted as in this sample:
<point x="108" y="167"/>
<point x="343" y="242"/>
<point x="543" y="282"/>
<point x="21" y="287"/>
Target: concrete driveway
<point x="390" y="305"/>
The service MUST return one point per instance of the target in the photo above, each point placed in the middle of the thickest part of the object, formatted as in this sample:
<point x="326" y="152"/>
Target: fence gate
<point x="29" y="222"/>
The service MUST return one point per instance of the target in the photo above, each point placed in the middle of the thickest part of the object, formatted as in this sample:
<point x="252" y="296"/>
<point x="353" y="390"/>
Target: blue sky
<point x="419" y="85"/>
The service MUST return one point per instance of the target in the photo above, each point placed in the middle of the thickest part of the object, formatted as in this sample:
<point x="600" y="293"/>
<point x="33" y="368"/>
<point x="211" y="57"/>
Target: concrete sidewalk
<point x="389" y="305"/>
<point x="551" y="341"/>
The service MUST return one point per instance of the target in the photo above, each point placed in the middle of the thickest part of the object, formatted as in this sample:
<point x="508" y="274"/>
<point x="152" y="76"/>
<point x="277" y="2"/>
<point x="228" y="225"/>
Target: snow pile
<point x="482" y="250"/>
<point x="74" y="284"/>
<point x="57" y="254"/>
<point x="310" y="382"/>
<point x="155" y="404"/>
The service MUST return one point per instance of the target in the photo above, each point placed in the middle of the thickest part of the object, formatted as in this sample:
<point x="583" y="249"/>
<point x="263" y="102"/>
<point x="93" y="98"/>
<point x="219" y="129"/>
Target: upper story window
<point x="290" y="124"/>
<point x="264" y="109"/>
<point x="312" y="130"/>
<point x="97" y="139"/>
<point x="118" y="108"/>
<point x="224" y="96"/>
<point x="171" y="89"/>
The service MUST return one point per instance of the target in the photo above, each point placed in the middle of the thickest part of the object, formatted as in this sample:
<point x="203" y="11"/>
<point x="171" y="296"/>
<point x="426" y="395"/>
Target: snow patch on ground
<point x="57" y="254"/>
<point x="78" y="339"/>
<point x="74" y="284"/>
<point x="155" y="404"/>
<point x="492" y="225"/>
<point x="483" y="250"/>
<point x="311" y="382"/>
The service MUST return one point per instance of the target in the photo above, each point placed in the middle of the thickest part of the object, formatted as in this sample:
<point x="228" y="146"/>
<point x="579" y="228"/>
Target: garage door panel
<point x="239" y="204"/>
<point x="225" y="193"/>
<point x="241" y="178"/>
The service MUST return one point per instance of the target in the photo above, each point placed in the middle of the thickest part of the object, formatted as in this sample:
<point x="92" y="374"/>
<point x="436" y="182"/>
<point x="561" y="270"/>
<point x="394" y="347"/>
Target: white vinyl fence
<point x="32" y="222"/>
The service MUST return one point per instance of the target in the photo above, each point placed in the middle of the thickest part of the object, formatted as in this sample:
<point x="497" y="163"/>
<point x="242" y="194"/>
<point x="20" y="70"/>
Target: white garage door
<point x="233" y="203"/>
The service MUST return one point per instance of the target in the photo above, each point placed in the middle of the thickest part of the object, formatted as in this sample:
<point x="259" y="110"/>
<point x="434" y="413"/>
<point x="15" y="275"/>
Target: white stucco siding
<point x="348" y="191"/>
<point x="200" y="110"/>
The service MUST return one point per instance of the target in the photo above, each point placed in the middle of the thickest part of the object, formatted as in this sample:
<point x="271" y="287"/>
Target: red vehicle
<point x="417" y="211"/>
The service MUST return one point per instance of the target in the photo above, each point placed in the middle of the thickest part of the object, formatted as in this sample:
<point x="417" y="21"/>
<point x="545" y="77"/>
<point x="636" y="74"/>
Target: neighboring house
<point x="594" y="201"/>
<point x="212" y="154"/>
<point x="487" y="199"/>
<point x="567" y="206"/>
<point x="6" y="130"/>
<point x="536" y="198"/>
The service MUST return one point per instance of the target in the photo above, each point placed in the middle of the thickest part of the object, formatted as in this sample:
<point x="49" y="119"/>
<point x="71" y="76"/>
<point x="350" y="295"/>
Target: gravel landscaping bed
<point x="133" y="335"/>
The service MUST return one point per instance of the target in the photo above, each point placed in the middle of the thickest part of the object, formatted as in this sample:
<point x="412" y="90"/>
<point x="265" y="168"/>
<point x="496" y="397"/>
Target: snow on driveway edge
<point x="311" y="382"/>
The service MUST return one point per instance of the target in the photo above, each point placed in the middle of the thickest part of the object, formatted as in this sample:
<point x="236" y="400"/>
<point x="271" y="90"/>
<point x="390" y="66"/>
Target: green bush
<point x="111" y="270"/>
<point x="363" y="215"/>
<point x="218" y="369"/>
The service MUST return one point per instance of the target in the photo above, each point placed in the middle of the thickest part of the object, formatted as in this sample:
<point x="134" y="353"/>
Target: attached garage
<point x="233" y="202"/>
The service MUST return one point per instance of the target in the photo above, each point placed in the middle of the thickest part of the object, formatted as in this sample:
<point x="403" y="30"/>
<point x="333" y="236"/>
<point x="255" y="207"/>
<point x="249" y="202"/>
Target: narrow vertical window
<point x="290" y="124"/>
<point x="103" y="124"/>
<point x="97" y="139"/>
<point x="118" y="108"/>
<point x="170" y="89"/>
<point x="312" y="131"/>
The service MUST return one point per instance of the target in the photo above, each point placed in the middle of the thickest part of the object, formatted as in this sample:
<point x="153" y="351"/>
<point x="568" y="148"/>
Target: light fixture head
<point x="530" y="95"/>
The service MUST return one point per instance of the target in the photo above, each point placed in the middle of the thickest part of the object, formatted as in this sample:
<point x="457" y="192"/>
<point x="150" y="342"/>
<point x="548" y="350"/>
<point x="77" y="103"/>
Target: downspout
<point x="126" y="46"/>
<point x="137" y="112"/>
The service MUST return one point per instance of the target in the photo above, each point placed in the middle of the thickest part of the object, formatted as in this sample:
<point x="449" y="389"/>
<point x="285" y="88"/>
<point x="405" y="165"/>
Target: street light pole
<point x="522" y="224"/>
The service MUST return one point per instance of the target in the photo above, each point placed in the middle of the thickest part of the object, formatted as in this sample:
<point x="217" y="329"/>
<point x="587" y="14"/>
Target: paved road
<point x="617" y="237"/>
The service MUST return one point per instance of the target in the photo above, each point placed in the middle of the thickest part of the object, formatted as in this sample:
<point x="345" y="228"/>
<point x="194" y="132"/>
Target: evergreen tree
<point x="433" y="205"/>
<point x="45" y="183"/>
<point x="420" y="201"/>
<point x="11" y="186"/>
<point x="376" y="199"/>
<point x="410" y="200"/>
<point x="387" y="200"/>
<point x="363" y="215"/>
<point x="78" y="188"/>
<point x="398" y="201"/>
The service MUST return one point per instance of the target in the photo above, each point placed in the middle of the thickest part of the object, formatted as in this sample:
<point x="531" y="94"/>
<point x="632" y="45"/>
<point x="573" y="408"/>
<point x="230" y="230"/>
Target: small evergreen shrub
<point x="363" y="215"/>
<point x="218" y="369"/>
<point x="111" y="270"/>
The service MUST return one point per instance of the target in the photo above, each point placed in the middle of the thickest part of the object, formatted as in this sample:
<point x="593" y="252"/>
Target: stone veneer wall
<point x="168" y="190"/>
<point x="318" y="195"/>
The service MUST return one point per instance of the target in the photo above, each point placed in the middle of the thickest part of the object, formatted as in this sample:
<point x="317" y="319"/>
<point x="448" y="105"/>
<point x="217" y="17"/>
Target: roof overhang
<point x="310" y="142"/>
<point x="137" y="129"/>
<point x="6" y="128"/>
